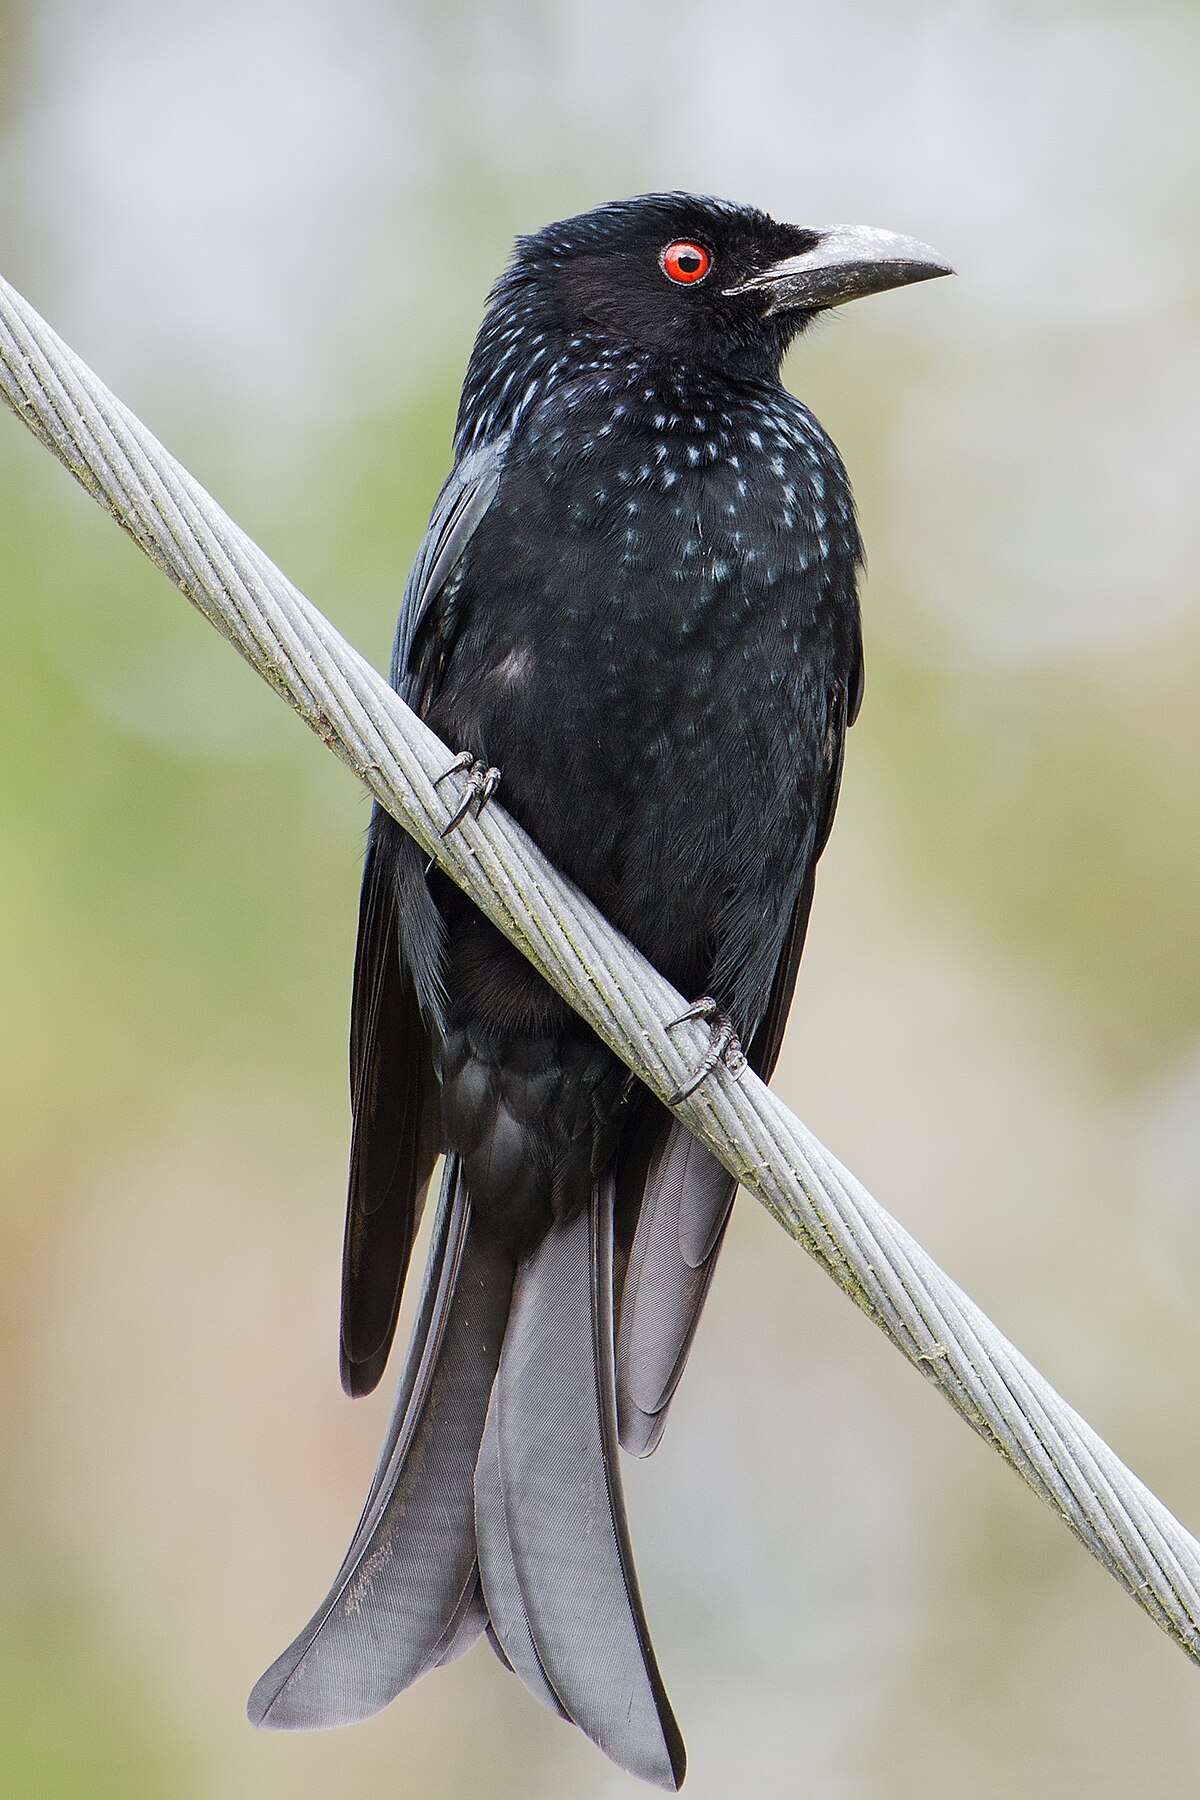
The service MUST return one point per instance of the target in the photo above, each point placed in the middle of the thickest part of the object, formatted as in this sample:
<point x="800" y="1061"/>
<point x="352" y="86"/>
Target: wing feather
<point x="686" y="1195"/>
<point x="397" y="983"/>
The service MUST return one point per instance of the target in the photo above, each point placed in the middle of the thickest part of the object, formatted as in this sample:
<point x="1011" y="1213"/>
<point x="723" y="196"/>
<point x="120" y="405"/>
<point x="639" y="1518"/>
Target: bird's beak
<point x="846" y="262"/>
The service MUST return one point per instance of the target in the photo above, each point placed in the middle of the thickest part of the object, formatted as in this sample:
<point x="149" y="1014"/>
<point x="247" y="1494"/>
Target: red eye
<point x="685" y="261"/>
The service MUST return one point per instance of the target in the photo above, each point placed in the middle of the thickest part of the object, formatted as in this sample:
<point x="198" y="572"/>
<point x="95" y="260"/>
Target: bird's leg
<point x="723" y="1044"/>
<point x="481" y="784"/>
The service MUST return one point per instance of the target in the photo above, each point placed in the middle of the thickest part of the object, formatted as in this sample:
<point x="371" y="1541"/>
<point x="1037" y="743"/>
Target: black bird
<point x="637" y="598"/>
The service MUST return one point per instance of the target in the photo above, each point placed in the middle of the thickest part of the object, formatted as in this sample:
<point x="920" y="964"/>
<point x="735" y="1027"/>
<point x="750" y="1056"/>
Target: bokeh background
<point x="271" y="228"/>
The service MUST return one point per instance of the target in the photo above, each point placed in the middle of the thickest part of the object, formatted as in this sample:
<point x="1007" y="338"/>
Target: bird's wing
<point x="763" y="1052"/>
<point x="686" y="1195"/>
<point x="394" y="1140"/>
<point x="424" y="630"/>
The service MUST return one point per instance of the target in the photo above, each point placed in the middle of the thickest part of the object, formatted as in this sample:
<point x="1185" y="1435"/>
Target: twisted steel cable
<point x="820" y="1204"/>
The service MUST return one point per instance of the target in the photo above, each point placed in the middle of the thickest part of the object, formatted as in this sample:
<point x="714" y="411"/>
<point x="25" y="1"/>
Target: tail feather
<point x="497" y="1504"/>
<point x="406" y="1596"/>
<point x="560" y="1485"/>
<point x="684" y="1211"/>
<point x="509" y="1628"/>
<point x="471" y="1627"/>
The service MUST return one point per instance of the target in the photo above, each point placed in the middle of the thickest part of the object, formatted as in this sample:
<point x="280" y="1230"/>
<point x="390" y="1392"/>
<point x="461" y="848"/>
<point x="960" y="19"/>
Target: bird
<point x="635" y="610"/>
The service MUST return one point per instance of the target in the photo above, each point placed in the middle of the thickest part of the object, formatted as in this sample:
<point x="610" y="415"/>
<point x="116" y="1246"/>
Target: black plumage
<point x="636" y="598"/>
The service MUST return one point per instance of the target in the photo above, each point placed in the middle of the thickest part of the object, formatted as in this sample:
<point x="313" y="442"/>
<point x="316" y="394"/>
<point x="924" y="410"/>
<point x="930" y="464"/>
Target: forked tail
<point x="497" y="1504"/>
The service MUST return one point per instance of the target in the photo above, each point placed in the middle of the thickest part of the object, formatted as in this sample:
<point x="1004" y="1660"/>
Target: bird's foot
<point x="481" y="784"/>
<point x="723" y="1044"/>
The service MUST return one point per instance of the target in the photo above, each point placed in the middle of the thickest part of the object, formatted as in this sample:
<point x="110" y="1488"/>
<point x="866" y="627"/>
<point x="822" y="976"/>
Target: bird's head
<point x="683" y="276"/>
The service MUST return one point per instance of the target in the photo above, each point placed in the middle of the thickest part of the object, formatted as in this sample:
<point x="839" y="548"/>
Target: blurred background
<point x="271" y="229"/>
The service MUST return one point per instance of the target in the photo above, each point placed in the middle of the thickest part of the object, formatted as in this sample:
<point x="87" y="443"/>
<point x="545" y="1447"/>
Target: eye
<point x="685" y="262"/>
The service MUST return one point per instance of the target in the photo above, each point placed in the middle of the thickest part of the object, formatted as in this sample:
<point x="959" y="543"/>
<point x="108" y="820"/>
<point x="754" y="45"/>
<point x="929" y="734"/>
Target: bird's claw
<point x="481" y="784"/>
<point x="723" y="1044"/>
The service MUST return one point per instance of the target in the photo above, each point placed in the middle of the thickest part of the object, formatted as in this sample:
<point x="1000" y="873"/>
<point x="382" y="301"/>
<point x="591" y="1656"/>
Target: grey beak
<point x="846" y="262"/>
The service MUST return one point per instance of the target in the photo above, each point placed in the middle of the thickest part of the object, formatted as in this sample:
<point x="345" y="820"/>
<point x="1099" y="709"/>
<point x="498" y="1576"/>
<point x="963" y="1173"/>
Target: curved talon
<point x="464" y="760"/>
<point x="481" y="784"/>
<point x="723" y="1045"/>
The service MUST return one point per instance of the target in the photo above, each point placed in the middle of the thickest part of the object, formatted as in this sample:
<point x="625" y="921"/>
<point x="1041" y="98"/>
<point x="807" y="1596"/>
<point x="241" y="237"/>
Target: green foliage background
<point x="273" y="232"/>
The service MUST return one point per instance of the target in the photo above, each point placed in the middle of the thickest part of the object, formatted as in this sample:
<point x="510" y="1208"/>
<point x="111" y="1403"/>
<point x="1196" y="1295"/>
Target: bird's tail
<point x="554" y="1552"/>
<point x="497" y="1504"/>
<point x="406" y="1595"/>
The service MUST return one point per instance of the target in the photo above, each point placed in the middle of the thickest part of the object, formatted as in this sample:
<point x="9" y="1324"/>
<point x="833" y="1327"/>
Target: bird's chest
<point x="658" y="605"/>
<point x="661" y="556"/>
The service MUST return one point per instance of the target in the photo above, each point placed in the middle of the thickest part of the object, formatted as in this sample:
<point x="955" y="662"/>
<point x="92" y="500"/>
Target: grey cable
<point x="357" y="715"/>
